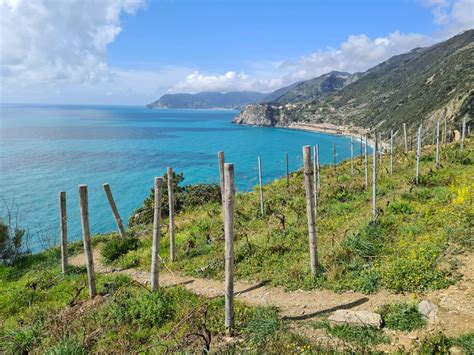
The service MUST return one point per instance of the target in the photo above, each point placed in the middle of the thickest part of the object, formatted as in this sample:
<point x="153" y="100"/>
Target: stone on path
<point x="429" y="310"/>
<point x="365" y="318"/>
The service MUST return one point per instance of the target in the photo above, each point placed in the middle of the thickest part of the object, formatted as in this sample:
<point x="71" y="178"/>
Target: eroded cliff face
<point x="267" y="115"/>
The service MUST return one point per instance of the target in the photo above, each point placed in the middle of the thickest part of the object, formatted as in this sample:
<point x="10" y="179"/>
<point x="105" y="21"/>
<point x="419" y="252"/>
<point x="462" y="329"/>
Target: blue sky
<point x="132" y="51"/>
<point x="218" y="35"/>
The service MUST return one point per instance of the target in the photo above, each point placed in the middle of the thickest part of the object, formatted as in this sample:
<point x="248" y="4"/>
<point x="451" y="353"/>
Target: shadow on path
<point x="328" y="310"/>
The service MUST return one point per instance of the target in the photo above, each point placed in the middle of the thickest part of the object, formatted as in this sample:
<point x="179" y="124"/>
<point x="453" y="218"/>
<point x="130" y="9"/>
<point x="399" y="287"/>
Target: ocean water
<point x="47" y="149"/>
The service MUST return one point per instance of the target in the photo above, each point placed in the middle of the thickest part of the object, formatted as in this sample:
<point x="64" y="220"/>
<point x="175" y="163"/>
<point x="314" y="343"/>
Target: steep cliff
<point x="425" y="85"/>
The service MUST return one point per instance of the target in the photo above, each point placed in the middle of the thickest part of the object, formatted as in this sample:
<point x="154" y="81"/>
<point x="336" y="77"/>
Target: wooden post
<point x="308" y="172"/>
<point x="287" y="171"/>
<point x="380" y="148"/>
<point x="156" y="233"/>
<point x="445" y="132"/>
<point x="229" y="246"/>
<point x="374" y="180"/>
<point x="391" y="152"/>
<point x="366" y="164"/>
<point x="463" y="132"/>
<point x="334" y="155"/>
<point x="406" y="138"/>
<point x="260" y="185"/>
<point x="115" y="212"/>
<point x="318" y="167"/>
<point x="171" y="213"/>
<point x="437" y="145"/>
<point x="315" y="182"/>
<point x="86" y="238"/>
<point x="63" y="223"/>
<point x="360" y="152"/>
<point x="220" y="157"/>
<point x="418" y="155"/>
<point x="352" y="157"/>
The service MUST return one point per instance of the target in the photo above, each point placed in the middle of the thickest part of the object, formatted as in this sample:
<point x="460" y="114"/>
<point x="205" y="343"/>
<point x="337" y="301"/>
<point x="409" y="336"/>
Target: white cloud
<point x="53" y="43"/>
<point x="357" y="53"/>
<point x="52" y="50"/>
<point x="228" y="81"/>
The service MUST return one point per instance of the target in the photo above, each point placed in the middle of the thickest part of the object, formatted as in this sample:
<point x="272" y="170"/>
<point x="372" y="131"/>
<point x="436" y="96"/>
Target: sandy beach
<point x="349" y="131"/>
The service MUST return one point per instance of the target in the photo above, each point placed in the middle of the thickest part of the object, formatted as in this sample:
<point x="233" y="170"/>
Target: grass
<point x="404" y="250"/>
<point x="402" y="316"/>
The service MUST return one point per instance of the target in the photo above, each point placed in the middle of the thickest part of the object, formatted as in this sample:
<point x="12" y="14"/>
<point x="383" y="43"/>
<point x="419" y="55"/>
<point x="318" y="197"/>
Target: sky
<point x="133" y="51"/>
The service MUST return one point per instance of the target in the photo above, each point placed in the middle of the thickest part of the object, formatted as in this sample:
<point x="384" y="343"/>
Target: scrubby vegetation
<point x="186" y="197"/>
<point x="410" y="247"/>
<point x="402" y="316"/>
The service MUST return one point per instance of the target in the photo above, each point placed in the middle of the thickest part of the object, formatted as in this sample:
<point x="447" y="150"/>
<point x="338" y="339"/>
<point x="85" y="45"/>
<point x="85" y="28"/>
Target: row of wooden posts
<point x="312" y="181"/>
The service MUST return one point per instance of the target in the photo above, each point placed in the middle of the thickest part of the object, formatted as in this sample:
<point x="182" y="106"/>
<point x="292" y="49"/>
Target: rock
<point x="345" y="316"/>
<point x="429" y="310"/>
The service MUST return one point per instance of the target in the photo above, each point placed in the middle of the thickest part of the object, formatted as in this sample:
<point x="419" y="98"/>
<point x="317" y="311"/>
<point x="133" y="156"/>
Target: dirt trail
<point x="456" y="302"/>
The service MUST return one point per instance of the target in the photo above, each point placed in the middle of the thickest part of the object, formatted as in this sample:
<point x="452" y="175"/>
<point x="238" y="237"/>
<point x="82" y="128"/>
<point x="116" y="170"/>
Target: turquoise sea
<point x="45" y="149"/>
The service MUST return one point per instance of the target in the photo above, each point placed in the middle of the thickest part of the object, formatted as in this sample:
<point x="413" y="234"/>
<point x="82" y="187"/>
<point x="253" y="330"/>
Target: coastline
<point x="328" y="128"/>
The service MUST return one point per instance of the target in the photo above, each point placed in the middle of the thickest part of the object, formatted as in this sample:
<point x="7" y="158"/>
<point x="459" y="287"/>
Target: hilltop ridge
<point x="422" y="86"/>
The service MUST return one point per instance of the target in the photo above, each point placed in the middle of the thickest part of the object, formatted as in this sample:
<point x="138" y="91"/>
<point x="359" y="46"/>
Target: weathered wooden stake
<point x="315" y="182"/>
<point x="406" y="138"/>
<point x="220" y="157"/>
<point x="380" y="149"/>
<point x="260" y="185"/>
<point x="318" y="167"/>
<point x="360" y="151"/>
<point x="86" y="238"/>
<point x="418" y="155"/>
<point x="445" y="131"/>
<point x="171" y="213"/>
<point x="156" y="233"/>
<point x="391" y="152"/>
<point x="113" y="206"/>
<point x="229" y="246"/>
<point x="366" y="164"/>
<point x="352" y="157"/>
<point x="374" y="180"/>
<point x="463" y="132"/>
<point x="437" y="145"/>
<point x="63" y="223"/>
<point x="287" y="171"/>
<point x="308" y="172"/>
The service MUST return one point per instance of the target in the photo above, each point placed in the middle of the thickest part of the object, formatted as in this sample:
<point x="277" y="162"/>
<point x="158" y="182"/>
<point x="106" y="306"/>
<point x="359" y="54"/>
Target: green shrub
<point x="466" y="342"/>
<point x="361" y="335"/>
<point x="185" y="197"/>
<point x="11" y="243"/>
<point x="263" y="327"/>
<point x="21" y="340"/>
<point x="116" y="247"/>
<point x="66" y="346"/>
<point x="145" y="309"/>
<point x="114" y="283"/>
<point x="414" y="272"/>
<point x="368" y="241"/>
<point x="434" y="344"/>
<point x="401" y="208"/>
<point x="402" y="316"/>
<point x="367" y="281"/>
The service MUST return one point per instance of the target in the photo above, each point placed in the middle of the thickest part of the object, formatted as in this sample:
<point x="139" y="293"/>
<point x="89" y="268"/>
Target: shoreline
<point x="328" y="128"/>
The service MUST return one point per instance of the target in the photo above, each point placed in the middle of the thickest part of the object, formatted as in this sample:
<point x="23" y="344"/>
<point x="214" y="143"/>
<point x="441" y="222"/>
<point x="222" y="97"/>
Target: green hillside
<point x="423" y="86"/>
<point x="413" y="247"/>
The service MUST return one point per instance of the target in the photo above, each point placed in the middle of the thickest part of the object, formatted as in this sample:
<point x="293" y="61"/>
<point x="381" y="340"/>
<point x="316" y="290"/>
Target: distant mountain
<point x="425" y="85"/>
<point x="208" y="100"/>
<point x="309" y="90"/>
